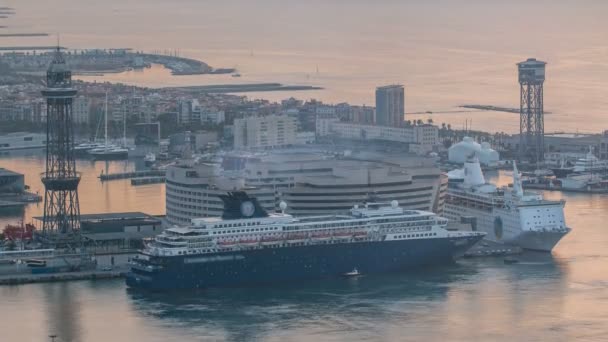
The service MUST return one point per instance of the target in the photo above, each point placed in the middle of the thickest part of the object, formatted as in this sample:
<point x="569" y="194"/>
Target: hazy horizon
<point x="445" y="53"/>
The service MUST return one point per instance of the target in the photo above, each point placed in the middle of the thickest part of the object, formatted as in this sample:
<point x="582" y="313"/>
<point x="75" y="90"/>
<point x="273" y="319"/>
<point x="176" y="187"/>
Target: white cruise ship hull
<point x="539" y="241"/>
<point x="523" y="227"/>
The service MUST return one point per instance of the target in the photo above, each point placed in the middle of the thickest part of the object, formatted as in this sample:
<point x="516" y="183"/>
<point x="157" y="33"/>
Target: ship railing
<point x="549" y="229"/>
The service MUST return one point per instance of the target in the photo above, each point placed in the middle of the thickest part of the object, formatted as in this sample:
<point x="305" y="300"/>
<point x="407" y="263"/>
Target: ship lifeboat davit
<point x="271" y="240"/>
<point x="321" y="236"/>
<point x="248" y="242"/>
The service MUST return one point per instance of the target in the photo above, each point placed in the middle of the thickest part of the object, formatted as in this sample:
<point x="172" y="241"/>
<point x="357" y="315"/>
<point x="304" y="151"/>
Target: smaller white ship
<point x="507" y="215"/>
<point x="149" y="158"/>
<point x="22" y="141"/>
<point x="590" y="163"/>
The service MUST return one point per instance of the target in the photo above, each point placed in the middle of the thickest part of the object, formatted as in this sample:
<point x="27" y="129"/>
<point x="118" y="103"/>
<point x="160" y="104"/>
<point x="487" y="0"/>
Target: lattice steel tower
<point x="531" y="111"/>
<point x="61" y="223"/>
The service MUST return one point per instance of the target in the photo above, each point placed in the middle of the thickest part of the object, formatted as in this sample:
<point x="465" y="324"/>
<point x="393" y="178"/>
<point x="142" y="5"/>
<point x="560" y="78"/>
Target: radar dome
<point x="394" y="204"/>
<point x="283" y="205"/>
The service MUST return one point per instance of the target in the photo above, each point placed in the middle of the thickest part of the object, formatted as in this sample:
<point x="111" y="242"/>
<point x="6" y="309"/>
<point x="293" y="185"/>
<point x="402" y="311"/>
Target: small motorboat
<point x="510" y="260"/>
<point x="354" y="273"/>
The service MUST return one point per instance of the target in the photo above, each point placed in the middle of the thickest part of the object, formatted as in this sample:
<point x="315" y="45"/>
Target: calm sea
<point x="445" y="52"/>
<point x="558" y="297"/>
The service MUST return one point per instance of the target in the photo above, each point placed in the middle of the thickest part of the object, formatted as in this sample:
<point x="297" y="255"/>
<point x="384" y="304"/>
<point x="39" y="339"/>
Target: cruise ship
<point x="247" y="245"/>
<point x="508" y="215"/>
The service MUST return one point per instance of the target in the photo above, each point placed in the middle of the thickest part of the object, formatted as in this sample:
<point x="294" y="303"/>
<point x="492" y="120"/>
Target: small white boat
<point x="150" y="159"/>
<point x="353" y="273"/>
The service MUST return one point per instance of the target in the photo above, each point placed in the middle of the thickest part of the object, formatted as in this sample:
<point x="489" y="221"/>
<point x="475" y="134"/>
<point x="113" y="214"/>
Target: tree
<point x="447" y="143"/>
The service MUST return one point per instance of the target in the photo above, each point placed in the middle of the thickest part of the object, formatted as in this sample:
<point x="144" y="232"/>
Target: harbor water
<point x="545" y="297"/>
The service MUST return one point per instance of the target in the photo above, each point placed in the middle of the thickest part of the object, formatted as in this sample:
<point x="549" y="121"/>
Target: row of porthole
<point x="415" y="235"/>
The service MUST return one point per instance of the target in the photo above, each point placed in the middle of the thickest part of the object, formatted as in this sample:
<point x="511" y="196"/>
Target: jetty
<point x="16" y="279"/>
<point x="556" y="187"/>
<point x="244" y="88"/>
<point x="148" y="180"/>
<point x="133" y="174"/>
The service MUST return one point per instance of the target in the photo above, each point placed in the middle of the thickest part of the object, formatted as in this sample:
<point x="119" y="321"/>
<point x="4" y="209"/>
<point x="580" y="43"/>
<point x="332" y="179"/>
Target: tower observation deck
<point x="531" y="111"/>
<point x="61" y="222"/>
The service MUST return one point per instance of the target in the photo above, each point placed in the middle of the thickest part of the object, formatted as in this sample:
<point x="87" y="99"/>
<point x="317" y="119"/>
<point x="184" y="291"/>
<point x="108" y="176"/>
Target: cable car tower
<point x="61" y="222"/>
<point x="531" y="111"/>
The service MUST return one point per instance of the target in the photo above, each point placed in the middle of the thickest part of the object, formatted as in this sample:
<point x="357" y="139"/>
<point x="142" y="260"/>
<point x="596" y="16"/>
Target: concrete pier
<point x="15" y="279"/>
<point x="132" y="174"/>
<point x="147" y="180"/>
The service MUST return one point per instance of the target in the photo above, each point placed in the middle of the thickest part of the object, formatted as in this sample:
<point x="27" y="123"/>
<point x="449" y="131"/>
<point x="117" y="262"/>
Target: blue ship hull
<point x="271" y="265"/>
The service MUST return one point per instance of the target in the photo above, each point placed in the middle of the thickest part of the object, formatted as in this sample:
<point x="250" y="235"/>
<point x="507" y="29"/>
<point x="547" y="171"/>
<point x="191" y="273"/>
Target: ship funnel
<point x="517" y="187"/>
<point x="472" y="172"/>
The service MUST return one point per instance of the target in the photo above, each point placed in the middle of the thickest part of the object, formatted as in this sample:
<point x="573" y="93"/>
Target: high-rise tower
<point x="390" y="106"/>
<point x="61" y="223"/>
<point x="531" y="112"/>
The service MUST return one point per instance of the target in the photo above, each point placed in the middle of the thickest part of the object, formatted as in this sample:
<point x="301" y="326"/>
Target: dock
<point x="132" y="174"/>
<point x="485" y="248"/>
<point x="16" y="279"/>
<point x="551" y="187"/>
<point x="148" y="180"/>
<point x="18" y="199"/>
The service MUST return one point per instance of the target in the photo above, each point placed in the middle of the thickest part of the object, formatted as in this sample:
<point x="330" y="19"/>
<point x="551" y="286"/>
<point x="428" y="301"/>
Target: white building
<point x="423" y="135"/>
<point x="192" y="192"/>
<point x="390" y="105"/>
<point x="81" y="110"/>
<point x="213" y="116"/>
<point x="191" y="112"/>
<point x="305" y="138"/>
<point x="458" y="153"/>
<point x="323" y="126"/>
<point x="311" y="183"/>
<point x="264" y="132"/>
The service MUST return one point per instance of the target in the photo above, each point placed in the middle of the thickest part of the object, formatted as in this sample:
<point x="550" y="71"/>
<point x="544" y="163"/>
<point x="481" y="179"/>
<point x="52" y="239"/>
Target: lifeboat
<point x="343" y="235"/>
<point x="248" y="242"/>
<point x="360" y="235"/>
<point x="321" y="236"/>
<point x="296" y="238"/>
<point x="271" y="240"/>
<point x="227" y="243"/>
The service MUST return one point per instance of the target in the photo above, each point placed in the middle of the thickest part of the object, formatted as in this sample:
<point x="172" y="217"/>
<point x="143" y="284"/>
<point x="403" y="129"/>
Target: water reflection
<point x="63" y="312"/>
<point x="354" y="306"/>
<point x="95" y="196"/>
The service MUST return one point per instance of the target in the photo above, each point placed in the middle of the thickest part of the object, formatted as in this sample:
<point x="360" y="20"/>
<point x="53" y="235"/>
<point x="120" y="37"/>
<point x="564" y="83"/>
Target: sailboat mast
<point x="124" y="129"/>
<point x="106" y="122"/>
